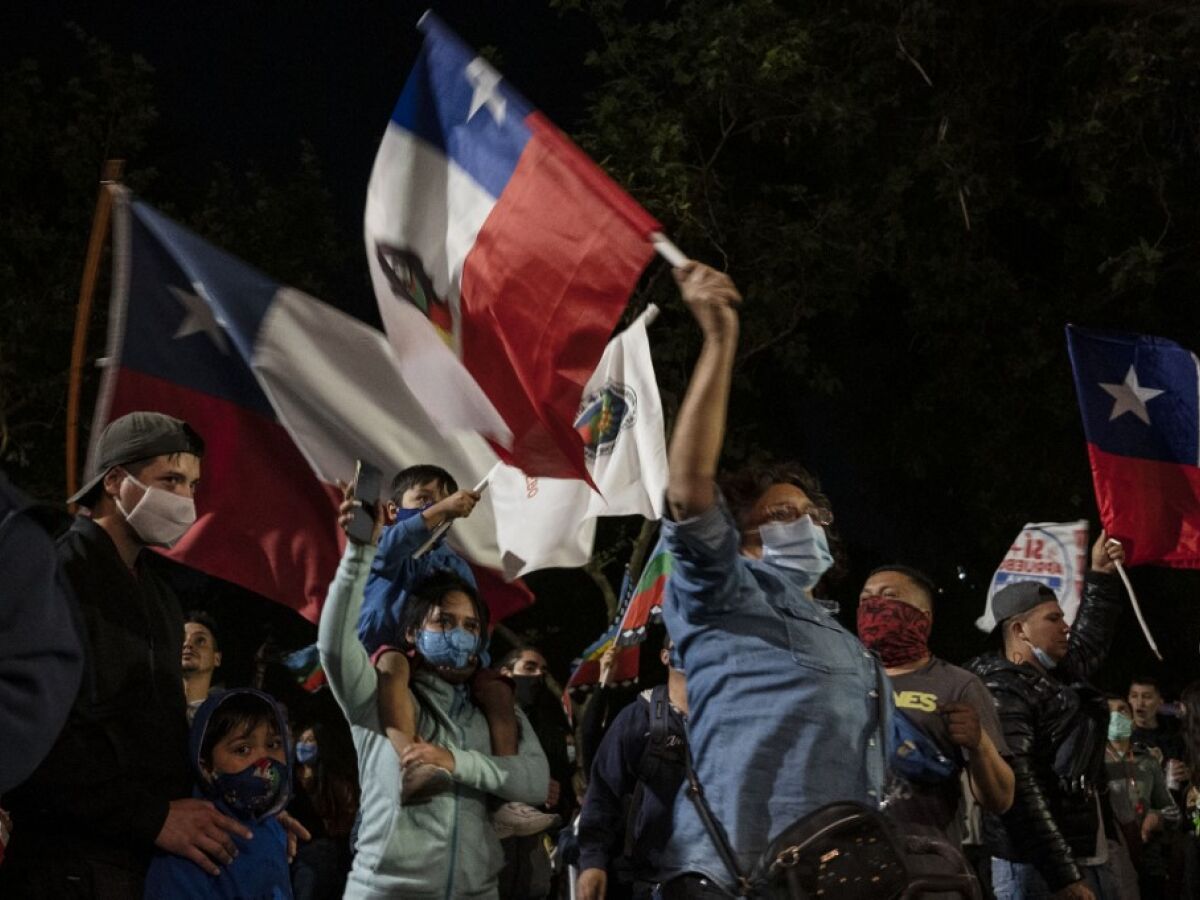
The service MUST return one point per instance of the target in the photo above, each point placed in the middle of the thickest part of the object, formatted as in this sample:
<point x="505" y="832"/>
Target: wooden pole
<point x="110" y="175"/>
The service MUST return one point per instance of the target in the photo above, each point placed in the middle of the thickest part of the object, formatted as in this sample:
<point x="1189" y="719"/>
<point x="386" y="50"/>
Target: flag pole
<point x="444" y="526"/>
<point x="110" y="176"/>
<point x="1137" y="609"/>
<point x="667" y="250"/>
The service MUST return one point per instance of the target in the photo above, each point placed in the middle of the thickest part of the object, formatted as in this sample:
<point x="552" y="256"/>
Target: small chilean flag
<point x="501" y="256"/>
<point x="1140" y="398"/>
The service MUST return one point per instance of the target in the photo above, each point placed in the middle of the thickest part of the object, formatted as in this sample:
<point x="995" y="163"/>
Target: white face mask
<point x="160" y="517"/>
<point x="800" y="545"/>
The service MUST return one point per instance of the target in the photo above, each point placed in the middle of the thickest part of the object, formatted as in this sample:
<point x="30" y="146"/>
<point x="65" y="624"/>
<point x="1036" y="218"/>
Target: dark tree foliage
<point x="55" y="131"/>
<point x="915" y="197"/>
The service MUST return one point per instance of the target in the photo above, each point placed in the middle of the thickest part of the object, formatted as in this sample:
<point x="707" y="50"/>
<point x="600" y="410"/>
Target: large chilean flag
<point x="501" y="256"/>
<point x="1140" y="398"/>
<point x="287" y="392"/>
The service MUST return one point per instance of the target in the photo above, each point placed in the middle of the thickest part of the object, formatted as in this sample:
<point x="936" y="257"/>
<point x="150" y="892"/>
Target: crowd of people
<point x="782" y="755"/>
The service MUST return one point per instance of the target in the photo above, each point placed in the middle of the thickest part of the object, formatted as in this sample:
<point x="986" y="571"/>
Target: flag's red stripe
<point x="265" y="521"/>
<point x="542" y="289"/>
<point x="591" y="175"/>
<point x="503" y="597"/>
<point x="314" y="681"/>
<point x="1152" y="507"/>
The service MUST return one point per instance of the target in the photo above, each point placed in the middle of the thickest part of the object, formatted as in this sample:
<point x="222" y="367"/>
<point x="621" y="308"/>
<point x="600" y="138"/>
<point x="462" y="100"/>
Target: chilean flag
<point x="287" y="392"/>
<point x="500" y="254"/>
<point x="1140" y="398"/>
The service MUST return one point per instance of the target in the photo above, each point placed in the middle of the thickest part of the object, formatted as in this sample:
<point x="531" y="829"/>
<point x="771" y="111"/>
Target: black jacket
<point x="104" y="789"/>
<point x="40" y="656"/>
<point x="1056" y="727"/>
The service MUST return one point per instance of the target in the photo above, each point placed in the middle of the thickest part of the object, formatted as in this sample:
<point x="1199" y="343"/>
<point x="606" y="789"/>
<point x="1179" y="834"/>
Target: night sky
<point x="244" y="83"/>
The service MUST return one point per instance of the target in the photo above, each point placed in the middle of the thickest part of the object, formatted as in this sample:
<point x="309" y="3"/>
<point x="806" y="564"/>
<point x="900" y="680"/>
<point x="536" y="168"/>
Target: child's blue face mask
<point x="453" y="648"/>
<point x="256" y="791"/>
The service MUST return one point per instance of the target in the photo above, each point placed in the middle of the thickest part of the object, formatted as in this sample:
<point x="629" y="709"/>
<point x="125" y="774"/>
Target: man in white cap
<point x="116" y="783"/>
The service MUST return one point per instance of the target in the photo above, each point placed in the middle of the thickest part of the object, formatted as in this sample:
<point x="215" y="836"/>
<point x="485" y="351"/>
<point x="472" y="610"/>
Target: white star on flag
<point x="1130" y="397"/>
<point x="486" y="82"/>
<point x="199" y="318"/>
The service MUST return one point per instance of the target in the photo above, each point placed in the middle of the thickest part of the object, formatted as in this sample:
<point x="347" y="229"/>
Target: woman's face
<point x="455" y="611"/>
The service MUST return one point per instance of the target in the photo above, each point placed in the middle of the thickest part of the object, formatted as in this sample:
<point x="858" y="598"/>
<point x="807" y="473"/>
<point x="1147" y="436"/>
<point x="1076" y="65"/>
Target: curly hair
<point x="742" y="489"/>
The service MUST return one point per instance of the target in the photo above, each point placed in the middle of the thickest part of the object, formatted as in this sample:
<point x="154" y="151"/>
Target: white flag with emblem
<point x="1050" y="553"/>
<point x="549" y="522"/>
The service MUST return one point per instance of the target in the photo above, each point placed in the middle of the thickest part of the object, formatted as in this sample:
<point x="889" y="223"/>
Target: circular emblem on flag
<point x="409" y="281"/>
<point x="603" y="415"/>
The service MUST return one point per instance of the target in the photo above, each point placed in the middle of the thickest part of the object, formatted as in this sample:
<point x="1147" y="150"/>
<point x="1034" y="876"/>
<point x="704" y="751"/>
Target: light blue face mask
<point x="452" y="648"/>
<point x="1047" y="662"/>
<point x="800" y="545"/>
<point x="1120" y="727"/>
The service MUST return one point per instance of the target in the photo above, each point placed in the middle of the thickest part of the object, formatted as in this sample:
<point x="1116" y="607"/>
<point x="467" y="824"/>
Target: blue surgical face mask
<point x="800" y="545"/>
<point x="1120" y="727"/>
<point x="452" y="648"/>
<point x="1047" y="661"/>
<point x="306" y="752"/>
<point x="257" y="791"/>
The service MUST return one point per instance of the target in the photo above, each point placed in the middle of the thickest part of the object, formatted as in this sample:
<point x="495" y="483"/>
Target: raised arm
<point x="1096" y="624"/>
<point x="343" y="657"/>
<point x="699" y="431"/>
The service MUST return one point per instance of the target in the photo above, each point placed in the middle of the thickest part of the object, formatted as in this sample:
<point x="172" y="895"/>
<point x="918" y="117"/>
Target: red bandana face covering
<point x="897" y="631"/>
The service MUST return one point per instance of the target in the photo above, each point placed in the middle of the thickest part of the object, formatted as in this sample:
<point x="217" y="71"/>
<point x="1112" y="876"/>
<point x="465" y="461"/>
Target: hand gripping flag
<point x="287" y="392"/>
<point x="545" y="522"/>
<point x="500" y="254"/>
<point x="1139" y="399"/>
<point x="1050" y="553"/>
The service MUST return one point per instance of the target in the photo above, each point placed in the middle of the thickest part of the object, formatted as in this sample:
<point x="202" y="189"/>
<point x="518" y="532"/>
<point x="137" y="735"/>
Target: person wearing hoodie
<point x="238" y="748"/>
<point x="445" y="846"/>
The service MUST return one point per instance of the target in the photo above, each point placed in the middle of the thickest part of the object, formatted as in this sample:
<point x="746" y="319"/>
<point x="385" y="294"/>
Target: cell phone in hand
<point x="367" y="483"/>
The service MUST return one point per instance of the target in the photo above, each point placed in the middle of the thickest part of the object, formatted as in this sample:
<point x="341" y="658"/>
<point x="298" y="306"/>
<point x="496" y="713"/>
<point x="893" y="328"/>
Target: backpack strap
<point x="695" y="790"/>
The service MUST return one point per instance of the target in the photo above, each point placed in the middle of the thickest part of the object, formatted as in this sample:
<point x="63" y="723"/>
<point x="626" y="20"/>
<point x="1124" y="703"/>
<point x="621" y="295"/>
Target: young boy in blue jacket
<point x="239" y="749"/>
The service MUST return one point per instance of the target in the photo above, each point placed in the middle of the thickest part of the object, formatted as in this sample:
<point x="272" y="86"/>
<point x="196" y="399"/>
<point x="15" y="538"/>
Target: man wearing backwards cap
<point x="116" y="783"/>
<point x="1051" y="841"/>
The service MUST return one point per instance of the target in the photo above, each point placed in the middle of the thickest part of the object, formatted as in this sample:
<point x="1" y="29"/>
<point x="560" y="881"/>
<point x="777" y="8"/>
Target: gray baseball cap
<point x="1021" y="597"/>
<point x="133" y="437"/>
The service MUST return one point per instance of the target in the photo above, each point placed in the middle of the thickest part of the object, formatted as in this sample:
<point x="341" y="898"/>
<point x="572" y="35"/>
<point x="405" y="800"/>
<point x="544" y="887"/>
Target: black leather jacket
<point x="1055" y="725"/>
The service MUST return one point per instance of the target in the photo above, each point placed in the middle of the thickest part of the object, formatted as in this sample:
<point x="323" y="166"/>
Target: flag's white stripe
<point x="419" y="200"/>
<point x="548" y="522"/>
<point x="338" y="389"/>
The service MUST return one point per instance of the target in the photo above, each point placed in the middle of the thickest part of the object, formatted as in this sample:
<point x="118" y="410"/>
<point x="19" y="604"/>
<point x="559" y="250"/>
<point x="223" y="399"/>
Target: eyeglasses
<point x="786" y="512"/>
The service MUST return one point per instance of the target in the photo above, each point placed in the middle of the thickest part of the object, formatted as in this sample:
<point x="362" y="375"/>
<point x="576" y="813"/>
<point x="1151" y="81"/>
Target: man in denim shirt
<point x="784" y="702"/>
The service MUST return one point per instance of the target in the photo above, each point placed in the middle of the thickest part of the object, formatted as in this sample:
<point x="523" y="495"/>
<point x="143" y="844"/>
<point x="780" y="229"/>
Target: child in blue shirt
<point x="239" y="750"/>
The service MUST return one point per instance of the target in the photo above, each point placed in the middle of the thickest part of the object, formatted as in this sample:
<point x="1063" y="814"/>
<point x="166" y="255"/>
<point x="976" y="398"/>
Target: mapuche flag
<point x="501" y="256"/>
<point x="1140" y="398"/>
<point x="287" y="392"/>
<point x="641" y="604"/>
